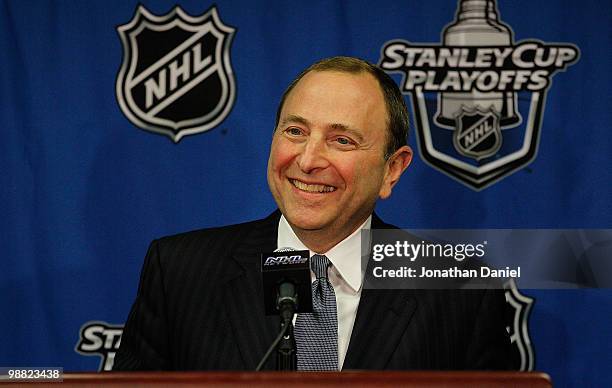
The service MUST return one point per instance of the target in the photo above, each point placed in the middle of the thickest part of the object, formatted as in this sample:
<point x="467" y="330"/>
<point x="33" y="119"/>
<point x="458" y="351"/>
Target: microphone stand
<point x="286" y="358"/>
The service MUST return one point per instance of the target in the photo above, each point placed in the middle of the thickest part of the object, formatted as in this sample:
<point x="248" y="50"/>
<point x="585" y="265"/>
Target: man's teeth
<point x="312" y="188"/>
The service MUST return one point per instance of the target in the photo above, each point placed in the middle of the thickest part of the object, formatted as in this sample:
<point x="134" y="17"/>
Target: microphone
<point x="287" y="290"/>
<point x="286" y="282"/>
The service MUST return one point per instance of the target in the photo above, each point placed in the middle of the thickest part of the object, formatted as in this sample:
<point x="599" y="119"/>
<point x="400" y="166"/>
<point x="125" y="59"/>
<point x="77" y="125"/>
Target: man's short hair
<point x="397" y="122"/>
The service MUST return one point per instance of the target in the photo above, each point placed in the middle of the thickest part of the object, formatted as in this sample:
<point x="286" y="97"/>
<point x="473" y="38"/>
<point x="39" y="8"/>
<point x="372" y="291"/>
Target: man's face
<point x="326" y="167"/>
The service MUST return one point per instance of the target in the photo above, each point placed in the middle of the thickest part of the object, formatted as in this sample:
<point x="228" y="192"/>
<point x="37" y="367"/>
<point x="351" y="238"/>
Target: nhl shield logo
<point x="471" y="92"/>
<point x="478" y="134"/>
<point x="176" y="77"/>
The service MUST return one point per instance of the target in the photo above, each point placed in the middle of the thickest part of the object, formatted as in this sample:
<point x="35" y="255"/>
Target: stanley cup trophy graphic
<point x="474" y="84"/>
<point x="477" y="24"/>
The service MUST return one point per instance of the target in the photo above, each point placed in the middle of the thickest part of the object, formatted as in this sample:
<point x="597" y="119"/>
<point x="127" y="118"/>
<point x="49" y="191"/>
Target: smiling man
<point x="339" y="145"/>
<point x="328" y="162"/>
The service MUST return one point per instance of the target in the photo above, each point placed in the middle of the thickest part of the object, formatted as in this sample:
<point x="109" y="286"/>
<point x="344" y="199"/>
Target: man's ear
<point x="396" y="164"/>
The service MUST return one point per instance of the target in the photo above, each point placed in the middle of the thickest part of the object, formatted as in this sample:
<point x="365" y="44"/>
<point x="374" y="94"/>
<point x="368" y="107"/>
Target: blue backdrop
<point x="84" y="190"/>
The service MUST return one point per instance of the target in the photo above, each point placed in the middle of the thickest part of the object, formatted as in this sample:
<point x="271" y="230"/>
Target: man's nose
<point x="313" y="156"/>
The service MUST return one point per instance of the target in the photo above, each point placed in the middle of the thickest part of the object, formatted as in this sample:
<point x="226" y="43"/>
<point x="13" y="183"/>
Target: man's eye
<point x="294" y="131"/>
<point x="343" y="141"/>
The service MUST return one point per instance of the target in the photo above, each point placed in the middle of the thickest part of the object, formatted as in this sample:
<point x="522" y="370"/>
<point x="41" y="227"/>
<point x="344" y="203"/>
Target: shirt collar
<point x="345" y="256"/>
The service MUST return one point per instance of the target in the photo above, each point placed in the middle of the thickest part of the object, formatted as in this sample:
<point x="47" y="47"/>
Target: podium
<point x="303" y="379"/>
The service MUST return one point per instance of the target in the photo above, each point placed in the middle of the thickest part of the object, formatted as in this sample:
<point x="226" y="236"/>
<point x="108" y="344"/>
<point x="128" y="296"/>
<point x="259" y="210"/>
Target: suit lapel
<point x="382" y="318"/>
<point x="253" y="331"/>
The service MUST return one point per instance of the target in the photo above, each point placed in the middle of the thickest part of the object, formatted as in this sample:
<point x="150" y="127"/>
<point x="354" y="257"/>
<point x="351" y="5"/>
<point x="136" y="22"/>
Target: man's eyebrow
<point x="345" y="128"/>
<point x="336" y="126"/>
<point x="295" y="119"/>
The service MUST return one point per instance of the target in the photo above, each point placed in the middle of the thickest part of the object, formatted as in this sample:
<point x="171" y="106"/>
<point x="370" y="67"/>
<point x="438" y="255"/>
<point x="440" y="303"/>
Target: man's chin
<point x="308" y="223"/>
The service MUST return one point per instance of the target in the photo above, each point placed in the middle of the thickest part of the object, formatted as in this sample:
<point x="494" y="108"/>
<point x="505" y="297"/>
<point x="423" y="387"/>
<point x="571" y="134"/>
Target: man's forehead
<point x="357" y="105"/>
<point x="339" y="84"/>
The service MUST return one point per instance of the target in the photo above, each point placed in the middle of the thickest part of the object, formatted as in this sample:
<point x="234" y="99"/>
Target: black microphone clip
<point x="286" y="283"/>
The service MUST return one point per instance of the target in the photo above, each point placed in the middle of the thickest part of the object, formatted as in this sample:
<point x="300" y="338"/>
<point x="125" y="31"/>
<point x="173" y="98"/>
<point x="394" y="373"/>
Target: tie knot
<point x="319" y="265"/>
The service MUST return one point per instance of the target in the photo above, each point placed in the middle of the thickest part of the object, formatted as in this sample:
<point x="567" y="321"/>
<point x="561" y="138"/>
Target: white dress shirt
<point x="345" y="275"/>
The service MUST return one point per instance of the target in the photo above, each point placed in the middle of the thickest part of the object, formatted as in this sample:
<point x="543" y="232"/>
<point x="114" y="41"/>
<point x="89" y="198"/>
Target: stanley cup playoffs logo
<point x="176" y="77"/>
<point x="478" y="97"/>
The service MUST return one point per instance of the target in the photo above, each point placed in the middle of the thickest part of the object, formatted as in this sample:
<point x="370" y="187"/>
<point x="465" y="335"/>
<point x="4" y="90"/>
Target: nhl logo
<point x="478" y="134"/>
<point x="176" y="77"/>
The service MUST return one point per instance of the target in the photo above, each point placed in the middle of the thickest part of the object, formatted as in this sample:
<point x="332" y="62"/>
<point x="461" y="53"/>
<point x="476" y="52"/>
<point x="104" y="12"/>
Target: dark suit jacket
<point x="200" y="307"/>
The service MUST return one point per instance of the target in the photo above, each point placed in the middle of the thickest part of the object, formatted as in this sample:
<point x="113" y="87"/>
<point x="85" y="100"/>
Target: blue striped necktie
<point x="316" y="333"/>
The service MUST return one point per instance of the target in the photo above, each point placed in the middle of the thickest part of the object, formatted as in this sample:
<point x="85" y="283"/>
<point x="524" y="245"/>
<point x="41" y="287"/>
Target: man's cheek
<point x="282" y="157"/>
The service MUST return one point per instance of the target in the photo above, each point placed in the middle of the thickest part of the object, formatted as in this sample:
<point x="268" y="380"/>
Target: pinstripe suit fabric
<point x="199" y="306"/>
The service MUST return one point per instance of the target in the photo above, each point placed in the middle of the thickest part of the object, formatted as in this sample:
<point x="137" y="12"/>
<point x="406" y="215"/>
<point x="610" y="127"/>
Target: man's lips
<point x="311" y="188"/>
